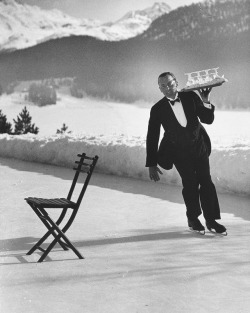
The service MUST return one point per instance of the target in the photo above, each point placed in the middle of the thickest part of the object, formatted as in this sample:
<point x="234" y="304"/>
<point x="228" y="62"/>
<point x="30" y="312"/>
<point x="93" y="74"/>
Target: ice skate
<point x="196" y="226"/>
<point x="216" y="228"/>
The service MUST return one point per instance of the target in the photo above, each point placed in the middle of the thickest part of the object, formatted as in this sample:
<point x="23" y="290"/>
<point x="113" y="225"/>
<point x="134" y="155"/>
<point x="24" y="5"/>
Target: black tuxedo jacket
<point x="161" y="114"/>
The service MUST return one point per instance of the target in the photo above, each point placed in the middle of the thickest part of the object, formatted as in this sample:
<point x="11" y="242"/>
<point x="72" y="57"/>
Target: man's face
<point x="167" y="85"/>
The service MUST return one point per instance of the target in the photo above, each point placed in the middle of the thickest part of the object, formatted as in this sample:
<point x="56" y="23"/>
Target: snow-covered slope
<point x="24" y="26"/>
<point x="134" y="22"/>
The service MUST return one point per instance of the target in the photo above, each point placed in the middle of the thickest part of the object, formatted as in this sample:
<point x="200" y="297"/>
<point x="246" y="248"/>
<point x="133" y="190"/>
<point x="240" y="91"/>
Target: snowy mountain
<point x="24" y="26"/>
<point x="184" y="40"/>
<point x="135" y="22"/>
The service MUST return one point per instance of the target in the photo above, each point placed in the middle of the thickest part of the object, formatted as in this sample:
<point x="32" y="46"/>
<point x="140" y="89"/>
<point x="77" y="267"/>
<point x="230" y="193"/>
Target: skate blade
<point x="200" y="232"/>
<point x="218" y="234"/>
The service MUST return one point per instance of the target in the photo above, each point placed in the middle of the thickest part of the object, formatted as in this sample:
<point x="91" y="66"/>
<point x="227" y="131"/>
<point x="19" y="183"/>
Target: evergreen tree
<point x="63" y="130"/>
<point x="23" y="123"/>
<point x="5" y="127"/>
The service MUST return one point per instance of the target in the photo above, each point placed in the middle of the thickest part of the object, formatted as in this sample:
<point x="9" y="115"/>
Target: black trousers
<point x="199" y="192"/>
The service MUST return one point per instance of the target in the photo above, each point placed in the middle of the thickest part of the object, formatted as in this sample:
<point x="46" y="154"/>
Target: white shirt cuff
<point x="207" y="105"/>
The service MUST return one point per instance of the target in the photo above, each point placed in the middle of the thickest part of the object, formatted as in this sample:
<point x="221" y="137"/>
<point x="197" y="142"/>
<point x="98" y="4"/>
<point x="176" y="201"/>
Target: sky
<point x="103" y="10"/>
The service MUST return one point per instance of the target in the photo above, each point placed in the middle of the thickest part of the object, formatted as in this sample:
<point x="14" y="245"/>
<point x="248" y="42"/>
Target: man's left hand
<point x="205" y="94"/>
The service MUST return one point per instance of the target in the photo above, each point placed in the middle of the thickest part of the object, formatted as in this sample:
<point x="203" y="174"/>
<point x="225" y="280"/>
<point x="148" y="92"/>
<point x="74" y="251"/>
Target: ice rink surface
<point x="139" y="254"/>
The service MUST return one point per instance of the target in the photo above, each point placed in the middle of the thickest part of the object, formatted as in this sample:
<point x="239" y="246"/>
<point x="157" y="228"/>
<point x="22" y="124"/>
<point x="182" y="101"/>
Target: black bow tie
<point x="172" y="102"/>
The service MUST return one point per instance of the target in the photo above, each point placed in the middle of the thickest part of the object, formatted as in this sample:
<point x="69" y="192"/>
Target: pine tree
<point x="23" y="123"/>
<point x="63" y="130"/>
<point x="5" y="127"/>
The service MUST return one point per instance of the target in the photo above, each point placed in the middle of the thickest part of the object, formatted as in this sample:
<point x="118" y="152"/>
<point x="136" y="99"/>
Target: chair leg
<point x="60" y="235"/>
<point x="40" y="241"/>
<point x="49" y="232"/>
<point x="50" y="247"/>
<point x="53" y="243"/>
<point x="53" y="229"/>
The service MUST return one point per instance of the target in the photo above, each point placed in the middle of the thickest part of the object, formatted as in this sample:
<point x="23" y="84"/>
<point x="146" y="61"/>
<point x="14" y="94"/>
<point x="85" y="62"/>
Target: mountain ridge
<point x="128" y="70"/>
<point x="24" y="26"/>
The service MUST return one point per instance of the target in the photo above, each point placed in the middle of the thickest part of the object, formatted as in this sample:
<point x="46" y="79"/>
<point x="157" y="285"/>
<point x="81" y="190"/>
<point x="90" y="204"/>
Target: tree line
<point x="22" y="124"/>
<point x="44" y="92"/>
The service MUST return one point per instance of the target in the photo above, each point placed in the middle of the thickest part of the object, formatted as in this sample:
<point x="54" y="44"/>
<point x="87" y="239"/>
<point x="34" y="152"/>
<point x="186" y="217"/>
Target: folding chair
<point x="40" y="205"/>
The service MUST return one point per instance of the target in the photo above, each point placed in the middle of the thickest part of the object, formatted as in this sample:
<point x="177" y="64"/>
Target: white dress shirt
<point x="179" y="112"/>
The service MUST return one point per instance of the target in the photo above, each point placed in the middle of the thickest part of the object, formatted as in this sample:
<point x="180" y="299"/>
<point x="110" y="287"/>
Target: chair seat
<point x="51" y="203"/>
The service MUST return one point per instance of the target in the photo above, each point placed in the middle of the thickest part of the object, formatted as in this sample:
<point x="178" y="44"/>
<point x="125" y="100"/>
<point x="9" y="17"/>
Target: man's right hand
<point x="153" y="173"/>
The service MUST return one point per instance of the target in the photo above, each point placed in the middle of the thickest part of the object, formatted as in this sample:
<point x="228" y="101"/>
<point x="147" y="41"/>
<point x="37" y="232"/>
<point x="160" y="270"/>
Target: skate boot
<point x="196" y="226"/>
<point x="215" y="227"/>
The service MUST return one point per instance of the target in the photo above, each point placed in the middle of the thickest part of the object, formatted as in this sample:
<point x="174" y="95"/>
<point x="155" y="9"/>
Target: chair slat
<point x="66" y="201"/>
<point x="38" y="200"/>
<point x="85" y="164"/>
<point x="50" y="201"/>
<point x="56" y="201"/>
<point x="85" y="157"/>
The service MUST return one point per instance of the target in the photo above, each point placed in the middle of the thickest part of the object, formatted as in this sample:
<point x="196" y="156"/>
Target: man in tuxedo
<point x="187" y="146"/>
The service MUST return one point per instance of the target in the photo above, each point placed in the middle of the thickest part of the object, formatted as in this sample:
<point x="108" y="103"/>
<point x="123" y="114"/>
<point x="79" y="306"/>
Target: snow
<point x="139" y="254"/>
<point x="24" y="26"/>
<point x="116" y="133"/>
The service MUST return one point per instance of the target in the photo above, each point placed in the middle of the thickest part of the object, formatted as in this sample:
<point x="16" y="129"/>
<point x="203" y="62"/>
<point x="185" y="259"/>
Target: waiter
<point x="187" y="146"/>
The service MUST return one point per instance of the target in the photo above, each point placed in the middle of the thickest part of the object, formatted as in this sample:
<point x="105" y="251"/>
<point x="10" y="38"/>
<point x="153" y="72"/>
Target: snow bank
<point x="125" y="156"/>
